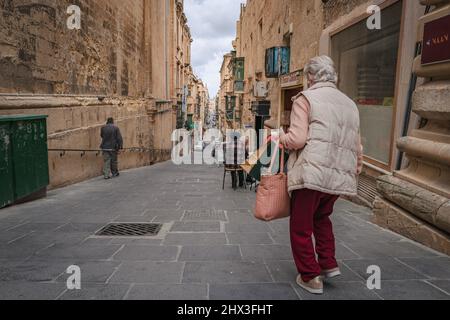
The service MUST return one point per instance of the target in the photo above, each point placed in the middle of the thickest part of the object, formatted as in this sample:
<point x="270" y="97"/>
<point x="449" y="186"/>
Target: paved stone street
<point x="210" y="247"/>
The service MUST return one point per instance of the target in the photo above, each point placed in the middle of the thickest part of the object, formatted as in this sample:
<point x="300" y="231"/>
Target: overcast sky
<point x="213" y="28"/>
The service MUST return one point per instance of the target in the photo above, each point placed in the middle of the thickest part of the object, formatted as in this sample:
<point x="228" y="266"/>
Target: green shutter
<point x="277" y="61"/>
<point x="239" y="86"/>
<point x="239" y="69"/>
<point x="285" y="57"/>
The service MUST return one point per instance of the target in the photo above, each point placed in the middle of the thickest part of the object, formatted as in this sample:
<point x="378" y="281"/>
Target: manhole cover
<point x="130" y="230"/>
<point x="204" y="215"/>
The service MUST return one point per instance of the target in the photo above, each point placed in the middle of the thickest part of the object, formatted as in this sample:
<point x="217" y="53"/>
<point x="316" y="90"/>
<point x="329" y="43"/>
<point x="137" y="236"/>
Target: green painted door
<point x="6" y="173"/>
<point x="30" y="156"/>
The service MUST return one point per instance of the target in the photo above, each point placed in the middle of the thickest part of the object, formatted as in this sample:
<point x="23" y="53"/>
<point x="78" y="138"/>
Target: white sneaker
<point x="332" y="273"/>
<point x="314" y="286"/>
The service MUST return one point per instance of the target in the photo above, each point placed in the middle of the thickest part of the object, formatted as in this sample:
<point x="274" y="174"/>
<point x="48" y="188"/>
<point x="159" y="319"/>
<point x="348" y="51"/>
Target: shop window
<point x="366" y="61"/>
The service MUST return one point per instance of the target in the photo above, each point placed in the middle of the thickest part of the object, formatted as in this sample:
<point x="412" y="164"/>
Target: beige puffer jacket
<point x="329" y="161"/>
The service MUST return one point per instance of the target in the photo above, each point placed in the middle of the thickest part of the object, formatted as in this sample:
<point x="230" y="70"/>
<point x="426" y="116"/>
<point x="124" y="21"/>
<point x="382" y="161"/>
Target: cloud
<point x="213" y="28"/>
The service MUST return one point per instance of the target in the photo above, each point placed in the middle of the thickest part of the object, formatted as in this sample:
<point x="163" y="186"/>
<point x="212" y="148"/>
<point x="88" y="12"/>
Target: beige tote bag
<point x="272" y="199"/>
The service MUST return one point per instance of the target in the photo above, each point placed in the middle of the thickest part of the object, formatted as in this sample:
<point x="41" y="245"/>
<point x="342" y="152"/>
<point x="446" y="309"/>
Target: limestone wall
<point x="336" y="9"/>
<point x="39" y="54"/>
<point x="74" y="123"/>
<point x="114" y="66"/>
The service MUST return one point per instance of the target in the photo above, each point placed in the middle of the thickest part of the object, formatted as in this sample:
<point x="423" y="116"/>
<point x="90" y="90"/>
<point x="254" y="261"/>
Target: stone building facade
<point x="225" y="91"/>
<point x="122" y="62"/>
<point x="405" y="179"/>
<point x="415" y="201"/>
<point x="262" y="25"/>
<point x="197" y="101"/>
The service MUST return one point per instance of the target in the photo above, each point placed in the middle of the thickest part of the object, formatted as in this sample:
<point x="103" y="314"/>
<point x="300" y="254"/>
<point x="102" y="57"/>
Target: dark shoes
<point x="115" y="175"/>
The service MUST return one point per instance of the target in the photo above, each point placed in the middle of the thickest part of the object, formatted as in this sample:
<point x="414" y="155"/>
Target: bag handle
<point x="275" y="153"/>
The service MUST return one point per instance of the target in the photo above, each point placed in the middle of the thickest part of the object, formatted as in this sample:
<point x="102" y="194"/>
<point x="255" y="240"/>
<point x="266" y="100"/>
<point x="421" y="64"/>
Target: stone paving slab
<point x="97" y="292"/>
<point x="148" y="272"/>
<point x="195" y="239"/>
<point x="225" y="272"/>
<point x="258" y="291"/>
<point x="438" y="268"/>
<point x="21" y="290"/>
<point x="266" y="252"/>
<point x="224" y="255"/>
<point x="184" y="292"/>
<point x="78" y="252"/>
<point x="31" y="271"/>
<point x="249" y="238"/>
<point x="208" y="253"/>
<point x="392" y="269"/>
<point x="92" y="271"/>
<point x="441" y="284"/>
<point x="146" y="253"/>
<point x="197" y="226"/>
<point x="411" y="290"/>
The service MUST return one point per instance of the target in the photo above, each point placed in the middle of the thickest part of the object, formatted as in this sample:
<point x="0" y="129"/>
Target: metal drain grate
<point x="130" y="230"/>
<point x="204" y="215"/>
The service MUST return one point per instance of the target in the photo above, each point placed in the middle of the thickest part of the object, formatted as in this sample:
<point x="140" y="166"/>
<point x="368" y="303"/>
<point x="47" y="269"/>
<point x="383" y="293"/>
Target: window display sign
<point x="436" y="41"/>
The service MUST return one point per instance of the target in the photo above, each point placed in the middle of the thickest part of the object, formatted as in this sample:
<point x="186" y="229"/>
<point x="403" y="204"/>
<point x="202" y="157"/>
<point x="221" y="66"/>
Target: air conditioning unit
<point x="260" y="89"/>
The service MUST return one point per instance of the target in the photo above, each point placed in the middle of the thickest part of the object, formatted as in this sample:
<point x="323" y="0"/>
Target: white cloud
<point x="213" y="28"/>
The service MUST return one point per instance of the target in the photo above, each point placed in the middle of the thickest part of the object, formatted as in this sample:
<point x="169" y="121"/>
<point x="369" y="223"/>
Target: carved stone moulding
<point x="392" y="217"/>
<point x="432" y="101"/>
<point x="423" y="204"/>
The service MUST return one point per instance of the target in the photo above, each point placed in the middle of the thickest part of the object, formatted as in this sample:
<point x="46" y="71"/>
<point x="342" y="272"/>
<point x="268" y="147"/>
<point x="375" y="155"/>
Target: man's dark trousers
<point x="111" y="142"/>
<point x="110" y="165"/>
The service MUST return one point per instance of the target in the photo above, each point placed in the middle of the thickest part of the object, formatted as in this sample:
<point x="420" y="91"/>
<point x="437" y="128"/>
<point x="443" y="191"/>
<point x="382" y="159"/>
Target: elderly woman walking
<point x="325" y="160"/>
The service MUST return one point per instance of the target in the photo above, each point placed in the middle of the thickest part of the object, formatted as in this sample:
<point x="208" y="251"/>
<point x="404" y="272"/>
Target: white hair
<point x="321" y="69"/>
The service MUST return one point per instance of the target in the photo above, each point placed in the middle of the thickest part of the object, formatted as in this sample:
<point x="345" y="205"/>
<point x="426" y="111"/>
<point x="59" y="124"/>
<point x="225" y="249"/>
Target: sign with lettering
<point x="292" y="79"/>
<point x="436" y="41"/>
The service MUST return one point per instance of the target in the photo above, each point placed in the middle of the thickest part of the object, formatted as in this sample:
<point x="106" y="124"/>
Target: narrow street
<point x="210" y="246"/>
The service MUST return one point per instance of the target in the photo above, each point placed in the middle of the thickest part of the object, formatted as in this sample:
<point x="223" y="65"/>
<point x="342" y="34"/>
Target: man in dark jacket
<point x="112" y="142"/>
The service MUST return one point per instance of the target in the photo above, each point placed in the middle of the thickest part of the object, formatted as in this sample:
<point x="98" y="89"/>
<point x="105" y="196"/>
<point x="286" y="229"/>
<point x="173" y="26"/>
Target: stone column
<point x="415" y="201"/>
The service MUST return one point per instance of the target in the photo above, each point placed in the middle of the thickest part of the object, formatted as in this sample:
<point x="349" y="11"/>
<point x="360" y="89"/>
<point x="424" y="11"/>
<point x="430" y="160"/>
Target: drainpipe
<point x="166" y="55"/>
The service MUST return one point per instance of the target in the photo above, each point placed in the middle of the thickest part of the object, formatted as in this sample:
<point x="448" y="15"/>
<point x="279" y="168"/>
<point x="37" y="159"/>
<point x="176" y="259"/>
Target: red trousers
<point x="310" y="215"/>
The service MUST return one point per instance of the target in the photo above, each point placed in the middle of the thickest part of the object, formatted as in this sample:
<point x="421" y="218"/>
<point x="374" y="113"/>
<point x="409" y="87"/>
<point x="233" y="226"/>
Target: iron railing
<point x="83" y="152"/>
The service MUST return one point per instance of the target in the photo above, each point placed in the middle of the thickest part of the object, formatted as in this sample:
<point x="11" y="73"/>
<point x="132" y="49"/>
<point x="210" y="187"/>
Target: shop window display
<point x="367" y="61"/>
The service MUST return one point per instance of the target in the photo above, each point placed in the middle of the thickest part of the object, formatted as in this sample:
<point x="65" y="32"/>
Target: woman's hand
<point x="275" y="136"/>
